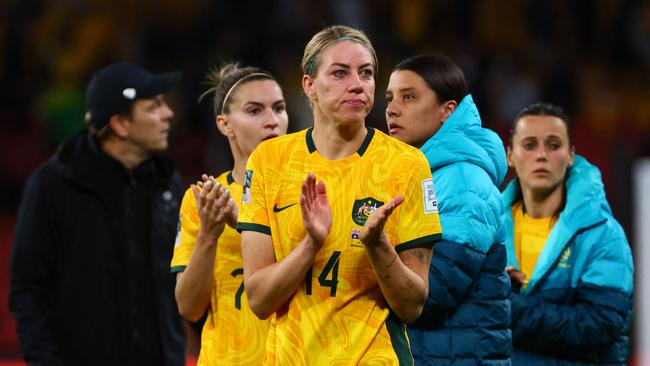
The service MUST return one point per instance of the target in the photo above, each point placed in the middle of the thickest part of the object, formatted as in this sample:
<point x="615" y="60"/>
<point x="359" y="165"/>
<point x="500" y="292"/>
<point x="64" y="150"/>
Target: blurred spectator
<point x="89" y="268"/>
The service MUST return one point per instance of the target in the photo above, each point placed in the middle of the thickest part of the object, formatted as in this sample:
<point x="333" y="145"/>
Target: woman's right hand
<point x="517" y="279"/>
<point x="316" y="211"/>
<point x="214" y="206"/>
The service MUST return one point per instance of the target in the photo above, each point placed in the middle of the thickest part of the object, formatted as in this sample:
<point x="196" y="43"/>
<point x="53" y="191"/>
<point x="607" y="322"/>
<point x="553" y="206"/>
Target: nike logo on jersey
<point x="278" y="209"/>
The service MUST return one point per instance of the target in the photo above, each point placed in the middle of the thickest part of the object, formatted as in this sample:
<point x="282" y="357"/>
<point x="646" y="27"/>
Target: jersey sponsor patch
<point x="429" y="196"/>
<point x="246" y="197"/>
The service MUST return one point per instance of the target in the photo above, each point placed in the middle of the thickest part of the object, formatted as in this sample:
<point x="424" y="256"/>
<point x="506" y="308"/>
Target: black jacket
<point x="74" y="272"/>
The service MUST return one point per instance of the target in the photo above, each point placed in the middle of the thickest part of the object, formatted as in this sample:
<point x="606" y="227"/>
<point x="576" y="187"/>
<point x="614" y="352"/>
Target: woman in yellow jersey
<point x="569" y="261"/>
<point x="249" y="108"/>
<point x="330" y="263"/>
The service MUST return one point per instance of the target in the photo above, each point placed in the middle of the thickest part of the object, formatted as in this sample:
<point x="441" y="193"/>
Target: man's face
<point x="149" y="123"/>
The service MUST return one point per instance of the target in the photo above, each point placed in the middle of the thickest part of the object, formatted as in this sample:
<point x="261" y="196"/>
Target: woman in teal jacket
<point x="465" y="318"/>
<point x="569" y="261"/>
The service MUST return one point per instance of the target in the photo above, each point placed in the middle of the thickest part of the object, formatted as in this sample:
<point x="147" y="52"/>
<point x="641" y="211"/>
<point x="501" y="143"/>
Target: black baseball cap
<point x="113" y="89"/>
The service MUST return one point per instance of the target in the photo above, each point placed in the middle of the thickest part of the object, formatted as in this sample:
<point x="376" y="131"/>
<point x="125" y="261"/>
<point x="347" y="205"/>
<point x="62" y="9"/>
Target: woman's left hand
<point x="373" y="231"/>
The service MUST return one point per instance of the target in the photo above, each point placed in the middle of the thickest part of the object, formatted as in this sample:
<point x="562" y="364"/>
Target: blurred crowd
<point x="591" y="57"/>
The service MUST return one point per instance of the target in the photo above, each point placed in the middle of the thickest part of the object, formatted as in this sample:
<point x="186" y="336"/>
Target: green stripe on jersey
<point x="398" y="338"/>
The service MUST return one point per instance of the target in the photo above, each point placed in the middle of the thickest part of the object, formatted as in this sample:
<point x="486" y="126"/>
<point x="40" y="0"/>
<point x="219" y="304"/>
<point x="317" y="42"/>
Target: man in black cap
<point x="90" y="281"/>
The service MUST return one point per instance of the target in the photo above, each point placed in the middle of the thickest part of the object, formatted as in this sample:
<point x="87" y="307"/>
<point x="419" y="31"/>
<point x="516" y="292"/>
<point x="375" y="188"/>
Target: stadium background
<point x="591" y="57"/>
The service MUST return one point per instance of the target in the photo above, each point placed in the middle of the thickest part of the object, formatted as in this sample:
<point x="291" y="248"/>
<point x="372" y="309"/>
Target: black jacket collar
<point x="81" y="160"/>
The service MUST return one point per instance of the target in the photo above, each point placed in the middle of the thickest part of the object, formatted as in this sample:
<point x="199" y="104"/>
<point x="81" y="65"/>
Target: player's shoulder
<point x="188" y="204"/>
<point x="188" y="193"/>
<point x="276" y="152"/>
<point x="396" y="148"/>
<point x="225" y="178"/>
<point x="284" y="142"/>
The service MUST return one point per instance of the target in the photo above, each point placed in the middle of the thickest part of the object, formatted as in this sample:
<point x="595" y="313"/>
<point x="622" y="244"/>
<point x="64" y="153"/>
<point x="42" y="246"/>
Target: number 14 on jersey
<point x="329" y="276"/>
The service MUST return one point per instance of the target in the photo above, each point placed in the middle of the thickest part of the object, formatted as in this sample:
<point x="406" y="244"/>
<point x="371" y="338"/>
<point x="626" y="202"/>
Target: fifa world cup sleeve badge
<point x="246" y="197"/>
<point x="429" y="196"/>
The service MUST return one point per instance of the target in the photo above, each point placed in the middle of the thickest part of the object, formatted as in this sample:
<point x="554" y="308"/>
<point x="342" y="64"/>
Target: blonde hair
<point x="326" y="38"/>
<point x="225" y="80"/>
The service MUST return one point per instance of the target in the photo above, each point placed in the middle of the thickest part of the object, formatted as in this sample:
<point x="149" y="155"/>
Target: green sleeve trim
<point x="247" y="226"/>
<point x="424" y="242"/>
<point x="176" y="269"/>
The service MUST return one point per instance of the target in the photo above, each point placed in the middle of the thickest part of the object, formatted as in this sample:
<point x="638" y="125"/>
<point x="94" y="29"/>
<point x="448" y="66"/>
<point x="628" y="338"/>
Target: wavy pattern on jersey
<point x="338" y="315"/>
<point x="231" y="335"/>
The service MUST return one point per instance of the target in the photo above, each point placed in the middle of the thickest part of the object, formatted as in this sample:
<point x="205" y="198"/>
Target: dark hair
<point x="542" y="109"/>
<point x="104" y="132"/>
<point x="441" y="74"/>
<point x="227" y="79"/>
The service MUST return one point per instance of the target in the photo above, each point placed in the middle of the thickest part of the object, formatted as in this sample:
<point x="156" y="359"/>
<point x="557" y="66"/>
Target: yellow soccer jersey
<point x="530" y="237"/>
<point x="338" y="316"/>
<point x="232" y="334"/>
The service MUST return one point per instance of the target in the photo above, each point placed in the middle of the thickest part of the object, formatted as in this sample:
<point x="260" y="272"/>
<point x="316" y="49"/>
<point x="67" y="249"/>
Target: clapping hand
<point x="214" y="205"/>
<point x="234" y="214"/>
<point x="316" y="211"/>
<point x="373" y="230"/>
